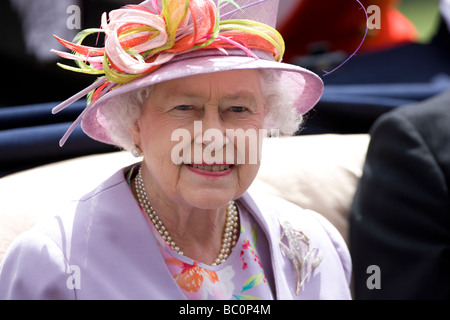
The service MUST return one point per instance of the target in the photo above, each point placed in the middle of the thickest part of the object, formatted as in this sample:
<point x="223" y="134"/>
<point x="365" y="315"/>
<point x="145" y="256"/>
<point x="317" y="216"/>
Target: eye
<point x="238" y="109"/>
<point x="183" y="107"/>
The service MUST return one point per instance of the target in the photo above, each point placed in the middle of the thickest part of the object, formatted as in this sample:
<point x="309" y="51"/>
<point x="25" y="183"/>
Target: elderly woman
<point x="191" y="87"/>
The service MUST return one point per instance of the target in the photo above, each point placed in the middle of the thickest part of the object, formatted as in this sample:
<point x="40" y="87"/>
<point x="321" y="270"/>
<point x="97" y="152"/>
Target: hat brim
<point x="306" y="86"/>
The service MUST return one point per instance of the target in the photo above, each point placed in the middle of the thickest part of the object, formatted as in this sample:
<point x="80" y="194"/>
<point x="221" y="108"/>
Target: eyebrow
<point x="243" y="94"/>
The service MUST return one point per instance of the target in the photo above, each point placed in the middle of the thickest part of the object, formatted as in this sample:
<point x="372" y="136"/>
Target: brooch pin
<point x="297" y="250"/>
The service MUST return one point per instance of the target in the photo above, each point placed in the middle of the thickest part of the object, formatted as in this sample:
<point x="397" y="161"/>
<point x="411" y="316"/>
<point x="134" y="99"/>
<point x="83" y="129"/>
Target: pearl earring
<point x="136" y="151"/>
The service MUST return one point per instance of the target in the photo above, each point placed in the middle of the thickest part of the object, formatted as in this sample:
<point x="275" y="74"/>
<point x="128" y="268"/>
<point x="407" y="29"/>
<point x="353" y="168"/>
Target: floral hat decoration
<point x="157" y="41"/>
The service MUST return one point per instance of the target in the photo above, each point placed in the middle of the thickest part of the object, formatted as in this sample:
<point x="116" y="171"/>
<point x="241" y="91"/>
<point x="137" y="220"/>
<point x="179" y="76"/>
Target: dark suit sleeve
<point x="400" y="215"/>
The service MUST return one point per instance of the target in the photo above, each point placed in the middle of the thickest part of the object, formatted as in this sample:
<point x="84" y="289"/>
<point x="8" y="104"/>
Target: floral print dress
<point x="240" y="277"/>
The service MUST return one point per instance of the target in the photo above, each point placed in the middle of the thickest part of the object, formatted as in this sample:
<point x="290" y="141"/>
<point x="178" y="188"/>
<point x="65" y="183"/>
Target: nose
<point x="211" y="119"/>
<point x="212" y="137"/>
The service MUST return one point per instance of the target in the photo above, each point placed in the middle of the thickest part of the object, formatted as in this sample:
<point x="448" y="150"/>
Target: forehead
<point x="239" y="83"/>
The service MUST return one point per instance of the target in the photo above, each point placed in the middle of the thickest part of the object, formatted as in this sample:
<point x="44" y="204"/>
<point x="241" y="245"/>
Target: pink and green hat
<point x="157" y="41"/>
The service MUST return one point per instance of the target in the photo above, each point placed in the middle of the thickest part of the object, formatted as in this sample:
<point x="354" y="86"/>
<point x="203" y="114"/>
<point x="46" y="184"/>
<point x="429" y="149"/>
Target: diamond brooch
<point x="296" y="248"/>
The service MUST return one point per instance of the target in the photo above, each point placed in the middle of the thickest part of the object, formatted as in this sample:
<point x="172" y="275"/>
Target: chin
<point x="211" y="199"/>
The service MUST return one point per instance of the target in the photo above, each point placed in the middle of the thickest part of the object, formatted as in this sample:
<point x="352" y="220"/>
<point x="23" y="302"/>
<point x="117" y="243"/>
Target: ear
<point x="135" y="133"/>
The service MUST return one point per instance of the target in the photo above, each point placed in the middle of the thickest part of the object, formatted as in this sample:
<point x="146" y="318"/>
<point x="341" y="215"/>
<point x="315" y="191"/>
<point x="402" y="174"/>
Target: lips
<point x="214" y="168"/>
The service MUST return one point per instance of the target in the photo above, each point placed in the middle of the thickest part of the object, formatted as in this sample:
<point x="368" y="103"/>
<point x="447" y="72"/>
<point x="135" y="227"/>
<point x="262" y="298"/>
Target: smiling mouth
<point x="215" y="168"/>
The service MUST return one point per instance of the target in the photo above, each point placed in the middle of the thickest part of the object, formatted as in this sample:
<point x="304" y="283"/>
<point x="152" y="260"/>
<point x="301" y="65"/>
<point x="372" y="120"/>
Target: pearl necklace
<point x="230" y="234"/>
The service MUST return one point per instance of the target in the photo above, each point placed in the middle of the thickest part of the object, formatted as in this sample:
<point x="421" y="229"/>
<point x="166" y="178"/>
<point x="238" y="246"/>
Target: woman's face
<point x="192" y="134"/>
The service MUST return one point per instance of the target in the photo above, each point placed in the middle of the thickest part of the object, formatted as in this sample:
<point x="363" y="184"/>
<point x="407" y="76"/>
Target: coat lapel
<point x="272" y="230"/>
<point x="134" y="252"/>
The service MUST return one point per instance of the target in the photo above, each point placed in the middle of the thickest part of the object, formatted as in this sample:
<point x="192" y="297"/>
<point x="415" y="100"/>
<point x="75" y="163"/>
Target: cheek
<point x="162" y="144"/>
<point x="156" y="147"/>
<point x="246" y="175"/>
<point x="254" y="120"/>
<point x="246" y="140"/>
<point x="155" y="130"/>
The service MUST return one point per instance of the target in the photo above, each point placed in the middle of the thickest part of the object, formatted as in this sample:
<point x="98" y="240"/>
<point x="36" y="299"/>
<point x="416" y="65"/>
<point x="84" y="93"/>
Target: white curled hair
<point x="123" y="112"/>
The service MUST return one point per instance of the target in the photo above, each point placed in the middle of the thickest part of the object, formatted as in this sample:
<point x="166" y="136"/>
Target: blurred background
<point x="311" y="28"/>
<point x="424" y="14"/>
<point x="403" y="61"/>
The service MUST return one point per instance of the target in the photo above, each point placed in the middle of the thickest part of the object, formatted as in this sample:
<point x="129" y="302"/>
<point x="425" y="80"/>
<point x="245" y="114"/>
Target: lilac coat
<point x="102" y="248"/>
